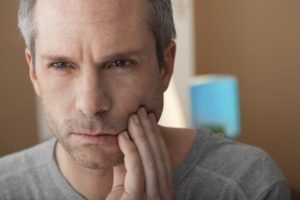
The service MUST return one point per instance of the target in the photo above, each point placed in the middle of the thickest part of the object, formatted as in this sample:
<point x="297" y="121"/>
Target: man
<point x="100" y="68"/>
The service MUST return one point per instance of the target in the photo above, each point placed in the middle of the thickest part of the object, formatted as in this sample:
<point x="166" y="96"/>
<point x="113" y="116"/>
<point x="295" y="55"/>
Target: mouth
<point x="96" y="133"/>
<point x="96" y="138"/>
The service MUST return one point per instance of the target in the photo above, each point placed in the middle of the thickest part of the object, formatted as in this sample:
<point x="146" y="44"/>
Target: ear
<point x="168" y="64"/>
<point x="32" y="71"/>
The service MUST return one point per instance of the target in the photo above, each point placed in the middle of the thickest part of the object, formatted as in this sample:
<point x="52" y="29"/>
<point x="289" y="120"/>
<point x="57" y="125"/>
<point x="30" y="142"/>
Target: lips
<point x="96" y="134"/>
<point x="96" y="138"/>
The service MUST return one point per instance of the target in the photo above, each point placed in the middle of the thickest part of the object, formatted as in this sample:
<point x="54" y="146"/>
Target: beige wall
<point x="256" y="40"/>
<point x="259" y="42"/>
<point x="17" y="119"/>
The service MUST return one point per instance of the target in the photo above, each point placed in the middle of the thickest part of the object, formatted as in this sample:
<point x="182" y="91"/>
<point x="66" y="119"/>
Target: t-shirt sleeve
<point x="277" y="191"/>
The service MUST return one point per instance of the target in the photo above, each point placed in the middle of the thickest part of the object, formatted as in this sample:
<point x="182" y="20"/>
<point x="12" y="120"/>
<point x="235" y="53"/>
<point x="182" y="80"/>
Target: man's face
<point x="95" y="65"/>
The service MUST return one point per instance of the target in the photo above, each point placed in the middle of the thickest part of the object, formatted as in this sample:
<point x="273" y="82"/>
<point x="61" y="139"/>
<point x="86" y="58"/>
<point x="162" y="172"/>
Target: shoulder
<point x="246" y="169"/>
<point x="234" y="159"/>
<point x="24" y="159"/>
<point x="17" y="168"/>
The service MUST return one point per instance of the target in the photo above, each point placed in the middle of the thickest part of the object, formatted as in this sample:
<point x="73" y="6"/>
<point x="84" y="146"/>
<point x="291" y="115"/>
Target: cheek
<point x="57" y="98"/>
<point x="148" y="94"/>
<point x="155" y="104"/>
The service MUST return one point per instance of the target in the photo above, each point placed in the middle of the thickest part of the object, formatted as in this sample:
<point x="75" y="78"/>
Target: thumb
<point x="118" y="183"/>
<point x="117" y="190"/>
<point x="119" y="173"/>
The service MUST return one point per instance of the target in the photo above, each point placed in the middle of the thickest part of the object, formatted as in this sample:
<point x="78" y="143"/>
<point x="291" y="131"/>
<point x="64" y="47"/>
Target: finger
<point x="118" y="176"/>
<point x="151" y="180"/>
<point x="166" y="157"/>
<point x="134" y="178"/>
<point x="165" y="153"/>
<point x="118" y="183"/>
<point x="162" y="161"/>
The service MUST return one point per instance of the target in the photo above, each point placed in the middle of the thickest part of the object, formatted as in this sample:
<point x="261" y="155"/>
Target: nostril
<point x="91" y="105"/>
<point x="92" y="95"/>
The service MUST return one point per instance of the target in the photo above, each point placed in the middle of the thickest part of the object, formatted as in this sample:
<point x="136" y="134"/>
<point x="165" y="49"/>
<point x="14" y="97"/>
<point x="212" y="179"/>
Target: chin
<point x="94" y="156"/>
<point x="100" y="163"/>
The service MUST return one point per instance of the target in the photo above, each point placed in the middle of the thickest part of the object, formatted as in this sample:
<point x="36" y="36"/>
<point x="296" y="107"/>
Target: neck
<point x="92" y="184"/>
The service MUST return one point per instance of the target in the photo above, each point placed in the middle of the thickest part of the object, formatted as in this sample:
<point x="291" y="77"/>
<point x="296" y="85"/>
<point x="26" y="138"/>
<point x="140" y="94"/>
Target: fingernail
<point x="152" y="116"/>
<point x="126" y="136"/>
<point x="142" y="111"/>
<point x="135" y="119"/>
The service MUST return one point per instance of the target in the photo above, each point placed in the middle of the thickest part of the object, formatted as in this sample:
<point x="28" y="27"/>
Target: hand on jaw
<point x="146" y="172"/>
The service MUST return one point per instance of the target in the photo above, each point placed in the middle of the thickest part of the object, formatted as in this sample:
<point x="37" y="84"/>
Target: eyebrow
<point x="104" y="59"/>
<point x="55" y="57"/>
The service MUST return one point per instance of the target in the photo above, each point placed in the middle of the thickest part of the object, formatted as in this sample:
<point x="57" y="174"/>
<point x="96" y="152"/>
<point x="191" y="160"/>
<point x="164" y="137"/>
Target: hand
<point x="146" y="172"/>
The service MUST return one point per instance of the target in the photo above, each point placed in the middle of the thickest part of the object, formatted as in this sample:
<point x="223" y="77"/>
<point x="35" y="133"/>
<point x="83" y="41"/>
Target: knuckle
<point x="137" y="165"/>
<point x="125" y="196"/>
<point x="151" y="164"/>
<point x="137" y="168"/>
<point x="152" y="134"/>
<point x="132" y="150"/>
<point x="151" y="129"/>
<point x="140" y="137"/>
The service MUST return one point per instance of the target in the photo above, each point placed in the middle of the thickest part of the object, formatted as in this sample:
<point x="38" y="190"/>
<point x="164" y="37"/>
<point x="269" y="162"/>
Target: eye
<point x="61" y="65"/>
<point x="121" y="63"/>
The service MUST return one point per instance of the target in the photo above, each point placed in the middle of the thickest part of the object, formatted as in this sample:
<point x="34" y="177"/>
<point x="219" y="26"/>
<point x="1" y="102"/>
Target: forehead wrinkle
<point x="87" y="20"/>
<point x="91" y="22"/>
<point x="90" y="13"/>
<point x="91" y="46"/>
<point x="84" y="12"/>
<point x="81" y="21"/>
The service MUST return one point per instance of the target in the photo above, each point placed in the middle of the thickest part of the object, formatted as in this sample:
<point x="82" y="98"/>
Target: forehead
<point x="89" y="11"/>
<point x="107" y="23"/>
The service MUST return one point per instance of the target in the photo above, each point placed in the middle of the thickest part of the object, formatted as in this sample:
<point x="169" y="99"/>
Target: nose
<point x="92" y="95"/>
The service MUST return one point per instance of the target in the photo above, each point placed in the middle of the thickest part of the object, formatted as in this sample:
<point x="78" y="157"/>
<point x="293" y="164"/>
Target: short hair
<point x="160" y="19"/>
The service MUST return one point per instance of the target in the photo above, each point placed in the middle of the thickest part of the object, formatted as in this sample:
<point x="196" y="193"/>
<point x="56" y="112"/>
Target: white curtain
<point x="177" y="104"/>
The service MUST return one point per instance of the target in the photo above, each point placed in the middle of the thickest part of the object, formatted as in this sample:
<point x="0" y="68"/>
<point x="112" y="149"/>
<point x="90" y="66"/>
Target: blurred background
<point x="257" y="41"/>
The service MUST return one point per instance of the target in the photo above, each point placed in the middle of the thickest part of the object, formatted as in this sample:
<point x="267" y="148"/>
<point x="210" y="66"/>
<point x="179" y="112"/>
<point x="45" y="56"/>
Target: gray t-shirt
<point x="214" y="169"/>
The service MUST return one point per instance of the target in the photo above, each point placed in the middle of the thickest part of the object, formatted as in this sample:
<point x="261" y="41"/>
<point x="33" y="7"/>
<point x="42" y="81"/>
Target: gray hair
<point x="160" y="20"/>
<point x="26" y="23"/>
